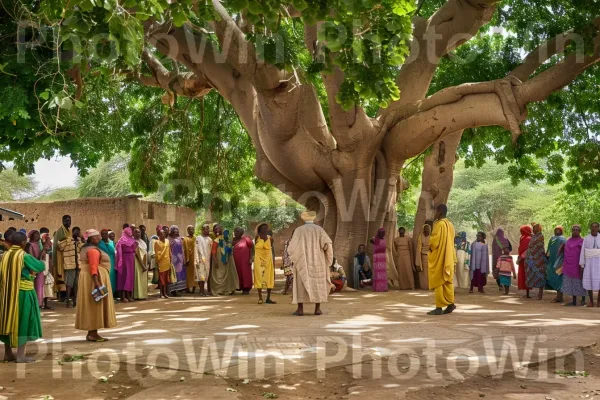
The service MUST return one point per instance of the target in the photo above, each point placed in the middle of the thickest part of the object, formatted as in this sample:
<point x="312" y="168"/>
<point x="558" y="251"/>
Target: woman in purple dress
<point x="177" y="260"/>
<point x="126" y="247"/>
<point x="571" y="270"/>
<point x="380" y="283"/>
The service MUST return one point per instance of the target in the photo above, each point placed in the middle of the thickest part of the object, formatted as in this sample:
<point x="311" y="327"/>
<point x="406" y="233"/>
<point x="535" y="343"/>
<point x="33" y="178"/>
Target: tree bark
<point x="350" y="173"/>
<point x="437" y="179"/>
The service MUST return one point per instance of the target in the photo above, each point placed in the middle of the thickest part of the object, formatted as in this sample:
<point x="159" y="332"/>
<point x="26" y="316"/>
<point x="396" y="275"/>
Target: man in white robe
<point x="311" y="252"/>
<point x="590" y="262"/>
<point x="203" y="253"/>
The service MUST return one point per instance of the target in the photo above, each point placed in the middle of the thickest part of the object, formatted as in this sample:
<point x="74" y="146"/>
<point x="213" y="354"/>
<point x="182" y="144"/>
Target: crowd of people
<point x="93" y="270"/>
<point x="568" y="266"/>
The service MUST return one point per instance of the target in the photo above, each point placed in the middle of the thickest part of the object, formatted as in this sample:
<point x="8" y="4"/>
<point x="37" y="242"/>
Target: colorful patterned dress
<point x="380" y="283"/>
<point x="177" y="260"/>
<point x="535" y="262"/>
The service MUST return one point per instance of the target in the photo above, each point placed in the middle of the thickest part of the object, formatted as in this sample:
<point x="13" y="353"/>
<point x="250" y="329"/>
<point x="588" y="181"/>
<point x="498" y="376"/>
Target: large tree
<point x="333" y="94"/>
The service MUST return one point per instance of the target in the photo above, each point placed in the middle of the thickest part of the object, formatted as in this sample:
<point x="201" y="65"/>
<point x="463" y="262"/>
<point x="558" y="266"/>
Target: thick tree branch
<point x="542" y="54"/>
<point x="541" y="86"/>
<point x="241" y="54"/>
<point x="342" y="121"/>
<point x="500" y="102"/>
<point x="547" y="50"/>
<point x="200" y="55"/>
<point x="456" y="22"/>
<point x="182" y="84"/>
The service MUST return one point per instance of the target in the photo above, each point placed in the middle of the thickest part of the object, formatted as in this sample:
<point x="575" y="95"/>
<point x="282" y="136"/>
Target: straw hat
<point x="308" y="216"/>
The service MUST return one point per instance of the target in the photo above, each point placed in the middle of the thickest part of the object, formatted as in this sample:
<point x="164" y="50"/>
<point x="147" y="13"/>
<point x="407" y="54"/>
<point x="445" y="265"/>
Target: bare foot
<point x="298" y="313"/>
<point x="9" y="358"/>
<point x="590" y="304"/>
<point x="124" y="300"/>
<point x="318" y="312"/>
<point x="25" y="360"/>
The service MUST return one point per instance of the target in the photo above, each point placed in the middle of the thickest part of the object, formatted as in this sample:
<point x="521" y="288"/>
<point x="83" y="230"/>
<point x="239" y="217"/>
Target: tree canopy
<point x="335" y="96"/>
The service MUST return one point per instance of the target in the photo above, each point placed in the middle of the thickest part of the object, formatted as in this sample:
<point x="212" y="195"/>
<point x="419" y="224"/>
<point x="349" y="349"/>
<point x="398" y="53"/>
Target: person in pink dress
<point x="242" y="255"/>
<point x="125" y="264"/>
<point x="380" y="283"/>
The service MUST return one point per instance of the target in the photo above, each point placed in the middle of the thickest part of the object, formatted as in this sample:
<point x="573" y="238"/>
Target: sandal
<point x="260" y="302"/>
<point x="99" y="340"/>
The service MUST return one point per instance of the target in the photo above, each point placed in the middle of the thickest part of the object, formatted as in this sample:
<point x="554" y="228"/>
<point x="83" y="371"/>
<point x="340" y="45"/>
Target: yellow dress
<point x="162" y="252"/>
<point x="442" y="260"/>
<point x="264" y="270"/>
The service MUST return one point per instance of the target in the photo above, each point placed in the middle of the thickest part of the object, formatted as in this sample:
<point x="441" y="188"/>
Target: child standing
<point x="506" y="269"/>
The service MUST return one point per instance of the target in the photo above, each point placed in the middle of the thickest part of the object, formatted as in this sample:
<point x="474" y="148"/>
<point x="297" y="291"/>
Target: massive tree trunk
<point x="349" y="171"/>
<point x="437" y="179"/>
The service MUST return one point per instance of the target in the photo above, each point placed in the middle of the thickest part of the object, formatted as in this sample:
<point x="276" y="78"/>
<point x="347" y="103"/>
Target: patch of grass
<point x="571" y="373"/>
<point x="76" y="357"/>
<point x="269" y="395"/>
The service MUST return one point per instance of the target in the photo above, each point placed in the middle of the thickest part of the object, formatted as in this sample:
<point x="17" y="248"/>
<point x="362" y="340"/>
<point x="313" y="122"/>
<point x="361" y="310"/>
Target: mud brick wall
<point x="98" y="213"/>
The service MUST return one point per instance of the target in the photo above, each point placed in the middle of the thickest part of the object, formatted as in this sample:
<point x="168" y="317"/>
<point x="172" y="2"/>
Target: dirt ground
<point x="275" y="355"/>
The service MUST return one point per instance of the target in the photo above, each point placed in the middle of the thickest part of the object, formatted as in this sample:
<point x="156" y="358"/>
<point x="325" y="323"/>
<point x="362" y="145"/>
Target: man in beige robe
<point x="404" y="255"/>
<point x="421" y="263"/>
<point x="311" y="252"/>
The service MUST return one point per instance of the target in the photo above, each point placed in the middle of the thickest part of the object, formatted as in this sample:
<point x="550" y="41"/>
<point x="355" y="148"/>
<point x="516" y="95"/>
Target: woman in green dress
<point x="554" y="279"/>
<point x="20" y="316"/>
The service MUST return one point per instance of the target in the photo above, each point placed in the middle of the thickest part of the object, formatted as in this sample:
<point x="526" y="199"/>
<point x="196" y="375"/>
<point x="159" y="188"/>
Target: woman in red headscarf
<point x="526" y="232"/>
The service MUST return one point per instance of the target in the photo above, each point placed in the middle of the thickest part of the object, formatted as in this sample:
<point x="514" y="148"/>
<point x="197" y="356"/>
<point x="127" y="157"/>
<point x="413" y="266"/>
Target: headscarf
<point x="23" y="231"/>
<point x="560" y="228"/>
<point x="91" y="233"/>
<point x="461" y="237"/>
<point x="499" y="243"/>
<point x="159" y="227"/>
<point x="125" y="240"/>
<point x="526" y="232"/>
<point x="35" y="248"/>
<point x="173" y="227"/>
<point x="225" y="247"/>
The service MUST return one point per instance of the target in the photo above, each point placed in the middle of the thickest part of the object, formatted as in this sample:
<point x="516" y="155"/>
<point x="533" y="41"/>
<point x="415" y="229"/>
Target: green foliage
<point x="484" y="199"/>
<point x="197" y="153"/>
<point x="274" y="207"/>
<point x="109" y="179"/>
<point x="15" y="186"/>
<point x="577" y="208"/>
<point x="563" y="131"/>
<point x="60" y="194"/>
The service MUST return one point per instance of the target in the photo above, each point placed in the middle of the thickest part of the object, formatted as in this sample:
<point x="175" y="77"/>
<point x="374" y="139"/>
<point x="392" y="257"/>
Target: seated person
<point x="365" y="274"/>
<point x="338" y="277"/>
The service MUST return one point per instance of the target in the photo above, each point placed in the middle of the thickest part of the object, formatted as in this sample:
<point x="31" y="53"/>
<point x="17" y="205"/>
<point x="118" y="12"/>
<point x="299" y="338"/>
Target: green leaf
<point x="45" y="95"/>
<point x="179" y="17"/>
<point x="66" y="103"/>
<point x="299" y="5"/>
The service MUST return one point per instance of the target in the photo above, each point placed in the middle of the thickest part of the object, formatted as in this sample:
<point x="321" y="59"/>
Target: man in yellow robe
<point x="442" y="260"/>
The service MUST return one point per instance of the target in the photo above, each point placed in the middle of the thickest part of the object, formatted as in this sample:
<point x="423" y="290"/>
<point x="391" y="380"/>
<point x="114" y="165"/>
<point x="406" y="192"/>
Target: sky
<point x="55" y="173"/>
